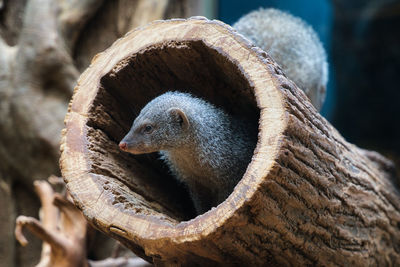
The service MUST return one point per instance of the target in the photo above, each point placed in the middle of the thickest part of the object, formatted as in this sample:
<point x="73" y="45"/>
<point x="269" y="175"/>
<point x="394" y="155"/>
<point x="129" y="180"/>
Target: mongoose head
<point x="156" y="128"/>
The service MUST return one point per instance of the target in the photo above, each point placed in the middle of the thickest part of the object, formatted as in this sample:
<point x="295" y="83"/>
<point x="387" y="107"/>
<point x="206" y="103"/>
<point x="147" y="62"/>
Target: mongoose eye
<point x="148" y="129"/>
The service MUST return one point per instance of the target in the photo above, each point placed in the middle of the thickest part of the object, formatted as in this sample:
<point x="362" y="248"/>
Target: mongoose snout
<point x="134" y="145"/>
<point x="123" y="146"/>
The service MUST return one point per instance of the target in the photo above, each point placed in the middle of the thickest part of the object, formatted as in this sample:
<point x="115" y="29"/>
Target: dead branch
<point x="62" y="228"/>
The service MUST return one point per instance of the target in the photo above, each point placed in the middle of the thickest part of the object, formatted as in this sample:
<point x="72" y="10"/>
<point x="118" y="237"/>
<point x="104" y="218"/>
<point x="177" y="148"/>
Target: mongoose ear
<point x="180" y="116"/>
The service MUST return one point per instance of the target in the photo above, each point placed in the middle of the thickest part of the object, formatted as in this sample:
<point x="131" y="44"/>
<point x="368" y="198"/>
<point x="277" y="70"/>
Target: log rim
<point x="266" y="150"/>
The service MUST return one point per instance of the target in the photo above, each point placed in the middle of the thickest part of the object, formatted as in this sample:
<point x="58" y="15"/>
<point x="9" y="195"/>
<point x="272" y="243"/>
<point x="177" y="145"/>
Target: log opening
<point x="188" y="66"/>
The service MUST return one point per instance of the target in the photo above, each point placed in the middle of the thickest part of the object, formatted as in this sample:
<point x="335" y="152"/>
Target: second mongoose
<point x="293" y="44"/>
<point x="204" y="147"/>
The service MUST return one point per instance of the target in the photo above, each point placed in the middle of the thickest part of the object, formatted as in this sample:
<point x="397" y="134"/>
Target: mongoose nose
<point x="123" y="146"/>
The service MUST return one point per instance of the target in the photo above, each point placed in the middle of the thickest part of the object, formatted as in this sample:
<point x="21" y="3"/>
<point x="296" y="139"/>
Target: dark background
<point x="362" y="39"/>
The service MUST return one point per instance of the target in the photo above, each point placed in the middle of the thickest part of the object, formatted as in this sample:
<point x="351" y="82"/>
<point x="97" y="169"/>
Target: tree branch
<point x="37" y="228"/>
<point x="49" y="213"/>
<point x="63" y="229"/>
<point x="72" y="221"/>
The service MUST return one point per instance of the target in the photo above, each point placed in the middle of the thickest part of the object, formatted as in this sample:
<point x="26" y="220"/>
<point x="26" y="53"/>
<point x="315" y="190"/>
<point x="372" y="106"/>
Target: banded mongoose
<point x="293" y="44"/>
<point x="204" y="147"/>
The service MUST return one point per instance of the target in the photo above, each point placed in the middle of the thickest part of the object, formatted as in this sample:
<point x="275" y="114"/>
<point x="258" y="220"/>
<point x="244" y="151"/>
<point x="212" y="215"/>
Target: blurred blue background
<point x="362" y="40"/>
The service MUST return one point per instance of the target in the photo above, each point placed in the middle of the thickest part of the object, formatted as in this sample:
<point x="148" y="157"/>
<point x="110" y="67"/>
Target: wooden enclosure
<point x="308" y="197"/>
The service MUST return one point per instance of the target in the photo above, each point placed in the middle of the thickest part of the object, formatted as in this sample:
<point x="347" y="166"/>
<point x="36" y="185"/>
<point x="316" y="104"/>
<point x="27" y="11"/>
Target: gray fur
<point x="293" y="45"/>
<point x="210" y="155"/>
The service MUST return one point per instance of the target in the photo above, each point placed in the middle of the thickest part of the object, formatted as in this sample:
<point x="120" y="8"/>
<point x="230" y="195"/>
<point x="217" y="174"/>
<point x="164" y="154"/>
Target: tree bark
<point x="44" y="45"/>
<point x="308" y="197"/>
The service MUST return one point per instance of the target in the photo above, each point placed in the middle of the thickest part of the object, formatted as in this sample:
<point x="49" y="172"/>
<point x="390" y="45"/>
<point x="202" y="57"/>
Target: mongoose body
<point x="293" y="44"/>
<point x="204" y="147"/>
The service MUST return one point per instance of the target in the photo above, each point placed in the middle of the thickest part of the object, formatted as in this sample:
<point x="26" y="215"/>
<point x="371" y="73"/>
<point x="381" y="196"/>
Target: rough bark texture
<point x="44" y="45"/>
<point x="308" y="197"/>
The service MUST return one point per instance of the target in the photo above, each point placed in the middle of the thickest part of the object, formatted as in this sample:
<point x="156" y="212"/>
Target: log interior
<point x="142" y="184"/>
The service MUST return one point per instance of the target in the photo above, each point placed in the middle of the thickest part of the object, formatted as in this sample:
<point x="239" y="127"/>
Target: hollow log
<point x="308" y="197"/>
